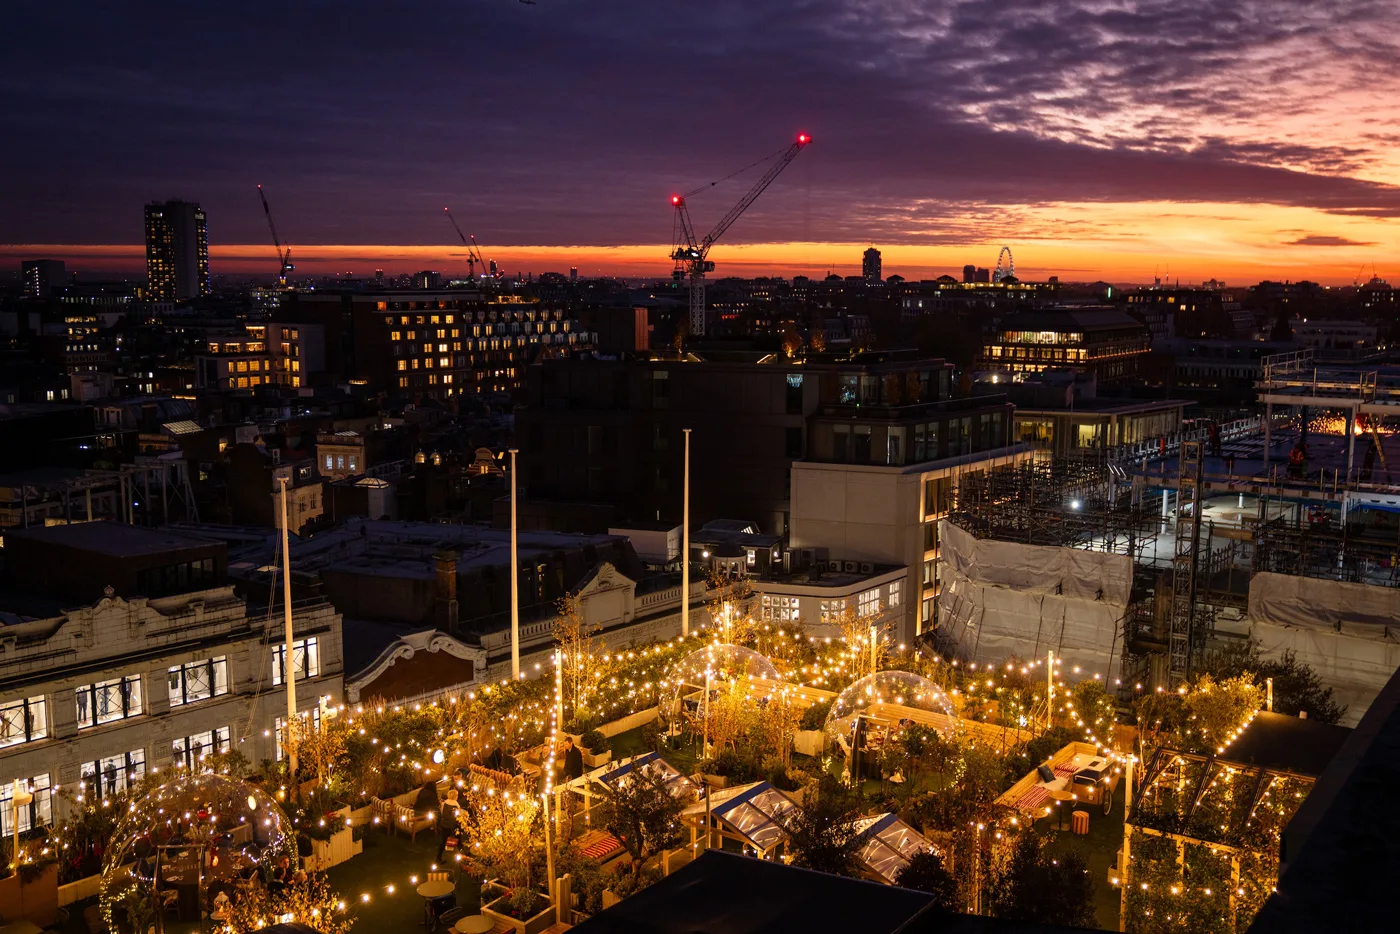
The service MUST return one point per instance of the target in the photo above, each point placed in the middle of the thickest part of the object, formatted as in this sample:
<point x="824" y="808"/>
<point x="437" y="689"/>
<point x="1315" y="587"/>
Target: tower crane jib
<point x="691" y="255"/>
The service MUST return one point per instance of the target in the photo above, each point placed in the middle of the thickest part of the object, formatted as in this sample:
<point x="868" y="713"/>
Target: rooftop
<point x="110" y="538"/>
<point x="1084" y="319"/>
<point x="1278" y="741"/>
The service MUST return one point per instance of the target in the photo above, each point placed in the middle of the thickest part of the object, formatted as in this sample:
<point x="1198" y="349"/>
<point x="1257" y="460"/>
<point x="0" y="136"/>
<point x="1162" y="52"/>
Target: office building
<point x="870" y="266"/>
<point x="435" y="344"/>
<point x="42" y="276"/>
<point x="177" y="251"/>
<point x="1104" y="341"/>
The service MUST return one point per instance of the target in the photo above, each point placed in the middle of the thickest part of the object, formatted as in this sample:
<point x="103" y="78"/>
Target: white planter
<point x="809" y="742"/>
<point x="593" y="761"/>
<point x="79" y="889"/>
<point x="629" y="722"/>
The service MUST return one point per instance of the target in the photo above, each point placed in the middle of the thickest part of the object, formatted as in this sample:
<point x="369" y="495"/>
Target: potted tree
<point x="641" y="812"/>
<point x="810" y="740"/>
<point x="507" y="844"/>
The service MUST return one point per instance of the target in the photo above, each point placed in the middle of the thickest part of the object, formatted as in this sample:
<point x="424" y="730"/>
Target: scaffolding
<point x="1185" y="561"/>
<point x="1308" y="542"/>
<point x="1063" y="502"/>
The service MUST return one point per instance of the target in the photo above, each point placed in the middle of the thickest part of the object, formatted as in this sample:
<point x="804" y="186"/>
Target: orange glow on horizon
<point x="1081" y="242"/>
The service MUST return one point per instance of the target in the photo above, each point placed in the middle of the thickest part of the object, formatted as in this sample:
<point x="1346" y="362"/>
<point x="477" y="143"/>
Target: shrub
<point x="595" y="742"/>
<point x="925" y="872"/>
<point x="814" y="717"/>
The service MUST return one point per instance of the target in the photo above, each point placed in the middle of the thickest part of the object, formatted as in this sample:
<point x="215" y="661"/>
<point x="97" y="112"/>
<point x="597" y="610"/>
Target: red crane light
<point x="803" y="138"/>
<point x="675" y="199"/>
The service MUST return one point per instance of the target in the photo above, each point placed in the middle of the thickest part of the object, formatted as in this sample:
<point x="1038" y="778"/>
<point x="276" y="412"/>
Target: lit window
<point x="107" y="701"/>
<point x="306" y="655"/>
<point x="114" y="774"/>
<point x="189" y="751"/>
<point x="195" y="681"/>
<point x="23" y="721"/>
<point x="37" y="813"/>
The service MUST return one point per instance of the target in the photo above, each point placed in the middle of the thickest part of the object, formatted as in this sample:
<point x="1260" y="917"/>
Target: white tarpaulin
<point x="1070" y="572"/>
<point x="1000" y="599"/>
<point x="1348" y="633"/>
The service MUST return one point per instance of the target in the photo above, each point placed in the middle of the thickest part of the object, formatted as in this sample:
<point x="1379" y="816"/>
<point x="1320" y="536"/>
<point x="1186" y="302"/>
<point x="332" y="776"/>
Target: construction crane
<point x="692" y="255"/>
<point x="284" y="256"/>
<point x="473" y="249"/>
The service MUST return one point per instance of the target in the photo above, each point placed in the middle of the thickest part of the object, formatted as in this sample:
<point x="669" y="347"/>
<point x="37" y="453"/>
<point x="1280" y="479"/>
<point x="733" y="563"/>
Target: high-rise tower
<point x="177" y="250"/>
<point x="870" y="265"/>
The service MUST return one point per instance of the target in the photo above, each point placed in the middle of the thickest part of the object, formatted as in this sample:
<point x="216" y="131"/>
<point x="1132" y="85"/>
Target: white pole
<point x="1049" y="688"/>
<point x="514" y="580"/>
<point x="288" y="666"/>
<point x="873" y="637"/>
<point x="1269" y="702"/>
<point x="685" y="544"/>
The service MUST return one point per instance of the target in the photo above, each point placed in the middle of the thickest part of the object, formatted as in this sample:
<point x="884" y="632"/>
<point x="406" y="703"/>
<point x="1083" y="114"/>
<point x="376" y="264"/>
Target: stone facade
<point x="135" y="727"/>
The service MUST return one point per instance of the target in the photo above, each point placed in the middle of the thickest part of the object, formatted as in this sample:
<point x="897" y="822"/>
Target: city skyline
<point x="1226" y="140"/>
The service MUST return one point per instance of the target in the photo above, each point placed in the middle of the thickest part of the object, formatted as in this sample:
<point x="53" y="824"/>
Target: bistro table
<point x="474" y="924"/>
<point x="1061" y="797"/>
<point x="434" y="889"/>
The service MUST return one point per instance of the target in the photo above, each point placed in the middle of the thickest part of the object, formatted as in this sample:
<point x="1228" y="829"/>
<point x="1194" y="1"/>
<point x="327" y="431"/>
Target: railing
<point x="1140" y="451"/>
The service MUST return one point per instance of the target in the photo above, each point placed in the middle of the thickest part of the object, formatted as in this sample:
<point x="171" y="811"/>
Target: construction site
<point x="1139" y="565"/>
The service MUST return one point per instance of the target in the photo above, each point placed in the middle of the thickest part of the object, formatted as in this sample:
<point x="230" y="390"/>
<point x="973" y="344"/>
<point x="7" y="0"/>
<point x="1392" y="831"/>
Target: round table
<point x="474" y="924"/>
<point x="436" y="888"/>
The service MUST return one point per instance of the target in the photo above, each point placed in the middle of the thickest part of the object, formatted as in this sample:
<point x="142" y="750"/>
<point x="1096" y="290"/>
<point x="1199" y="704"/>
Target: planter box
<point x="536" y="925"/>
<point x="609" y="899"/>
<point x="79" y="889"/>
<point x="35" y="901"/>
<point x="593" y="761"/>
<point x="809" y="742"/>
<point x="629" y="722"/>
<point x="359" y="817"/>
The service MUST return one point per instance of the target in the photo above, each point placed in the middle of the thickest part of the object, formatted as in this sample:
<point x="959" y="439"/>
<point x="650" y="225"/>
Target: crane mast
<point x="692" y="255"/>
<point x="284" y="256"/>
<point x="473" y="252"/>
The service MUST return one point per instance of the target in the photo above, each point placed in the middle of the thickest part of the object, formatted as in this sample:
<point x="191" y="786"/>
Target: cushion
<point x="1046" y="773"/>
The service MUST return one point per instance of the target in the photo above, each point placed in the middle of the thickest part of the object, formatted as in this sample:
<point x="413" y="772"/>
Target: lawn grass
<point x="1098" y="848"/>
<point x="392" y="860"/>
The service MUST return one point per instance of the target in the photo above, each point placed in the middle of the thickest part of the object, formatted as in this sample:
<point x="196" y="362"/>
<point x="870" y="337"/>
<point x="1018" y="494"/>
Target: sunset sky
<point x="1099" y="139"/>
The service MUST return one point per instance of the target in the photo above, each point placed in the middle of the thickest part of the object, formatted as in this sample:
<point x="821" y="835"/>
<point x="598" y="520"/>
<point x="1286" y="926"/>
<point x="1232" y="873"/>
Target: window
<point x="114" y="774"/>
<point x="792" y="445"/>
<point x="841" y="443"/>
<point x="106" y="701"/>
<point x="794" y="394"/>
<point x="831" y="609"/>
<point x="38" y="813"/>
<point x="752" y="557"/>
<point x="306" y="655"/>
<point x="860" y="452"/>
<point x="868" y="603"/>
<point x="661" y="389"/>
<point x="894" y="594"/>
<point x="196" y="681"/>
<point x="328" y="463"/>
<point x="189" y="751"/>
<point x="778" y="609"/>
<point x="938" y="496"/>
<point x="23" y="721"/>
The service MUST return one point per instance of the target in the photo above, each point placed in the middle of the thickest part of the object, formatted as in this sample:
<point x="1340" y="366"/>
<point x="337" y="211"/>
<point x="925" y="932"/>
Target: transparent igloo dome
<point x="724" y="662"/>
<point x="185" y="842"/>
<point x="895" y="688"/>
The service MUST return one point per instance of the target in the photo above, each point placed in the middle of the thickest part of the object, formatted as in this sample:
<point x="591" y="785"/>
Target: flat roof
<point x="1278" y="741"/>
<point x="110" y="538"/>
<point x="723" y="893"/>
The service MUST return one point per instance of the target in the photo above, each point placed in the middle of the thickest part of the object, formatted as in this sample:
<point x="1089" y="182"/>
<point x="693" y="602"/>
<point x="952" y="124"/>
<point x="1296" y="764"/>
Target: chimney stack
<point x="445" y="591"/>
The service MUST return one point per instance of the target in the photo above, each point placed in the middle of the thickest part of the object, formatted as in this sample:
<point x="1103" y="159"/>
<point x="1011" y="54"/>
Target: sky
<point x="1099" y="139"/>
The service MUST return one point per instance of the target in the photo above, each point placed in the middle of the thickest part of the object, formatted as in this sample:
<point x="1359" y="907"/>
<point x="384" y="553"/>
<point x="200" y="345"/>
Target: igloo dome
<point x="725" y="662"/>
<point x="902" y="688"/>
<point x="187" y="840"/>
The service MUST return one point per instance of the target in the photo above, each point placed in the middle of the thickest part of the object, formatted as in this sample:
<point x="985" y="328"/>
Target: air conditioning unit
<point x="850" y="567"/>
<point x="867" y="567"/>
